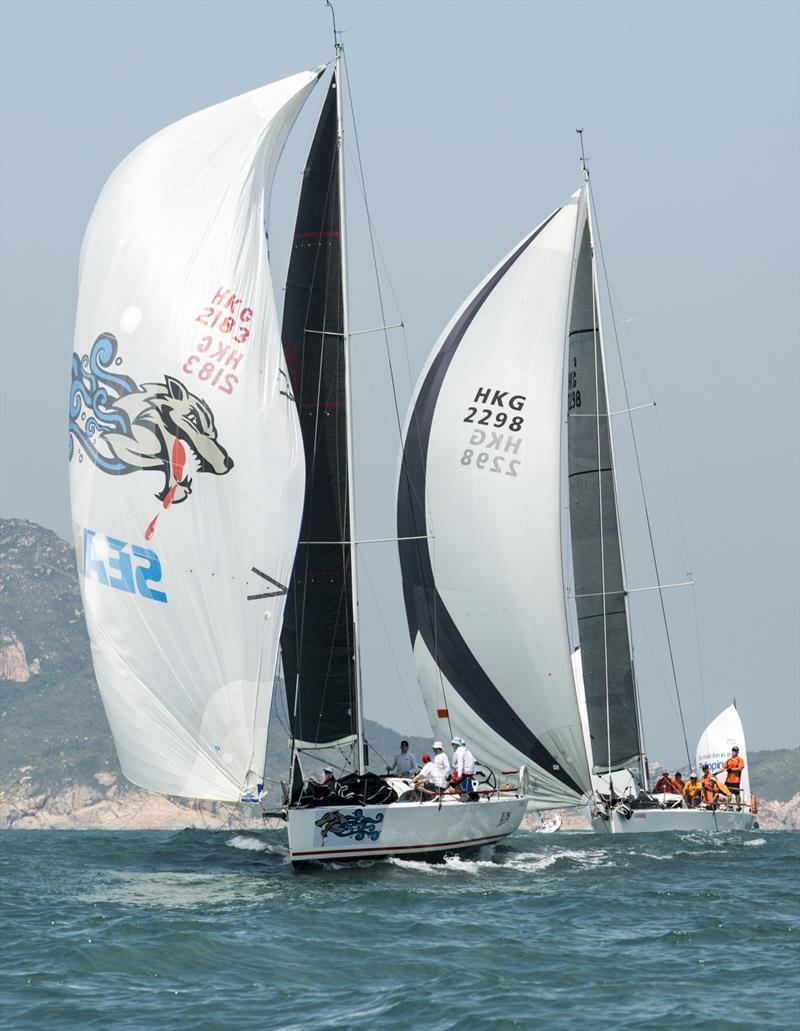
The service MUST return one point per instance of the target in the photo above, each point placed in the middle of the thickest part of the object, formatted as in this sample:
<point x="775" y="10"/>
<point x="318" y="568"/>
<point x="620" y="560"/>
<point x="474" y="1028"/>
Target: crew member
<point x="442" y="762"/>
<point x="463" y="765"/>
<point x="692" y="791"/>
<point x="678" y="782"/>
<point x="430" y="780"/>
<point x="327" y="780"/>
<point x="710" y="788"/>
<point x="733" y="776"/>
<point x="664" y="785"/>
<point x="405" y="763"/>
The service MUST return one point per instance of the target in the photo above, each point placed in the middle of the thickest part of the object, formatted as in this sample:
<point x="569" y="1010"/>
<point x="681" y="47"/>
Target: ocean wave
<point x="249" y="844"/>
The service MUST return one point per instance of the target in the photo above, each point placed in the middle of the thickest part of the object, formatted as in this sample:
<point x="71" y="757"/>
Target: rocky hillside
<point x="58" y="767"/>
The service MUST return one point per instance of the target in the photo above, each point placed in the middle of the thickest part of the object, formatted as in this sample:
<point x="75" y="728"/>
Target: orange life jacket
<point x="734" y="766"/>
<point x="710" y="788"/>
<point x="692" y="788"/>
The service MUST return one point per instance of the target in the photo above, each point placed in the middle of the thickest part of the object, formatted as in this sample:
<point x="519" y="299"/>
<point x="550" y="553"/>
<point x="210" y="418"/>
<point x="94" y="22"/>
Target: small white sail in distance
<point x="186" y="463"/>
<point x="716" y="742"/>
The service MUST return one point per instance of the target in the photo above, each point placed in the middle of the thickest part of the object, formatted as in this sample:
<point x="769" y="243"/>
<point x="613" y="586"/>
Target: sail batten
<point x="185" y="523"/>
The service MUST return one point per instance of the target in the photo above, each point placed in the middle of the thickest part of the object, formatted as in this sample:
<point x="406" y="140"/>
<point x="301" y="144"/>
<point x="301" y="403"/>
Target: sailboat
<point x="203" y="448"/>
<point x="509" y="426"/>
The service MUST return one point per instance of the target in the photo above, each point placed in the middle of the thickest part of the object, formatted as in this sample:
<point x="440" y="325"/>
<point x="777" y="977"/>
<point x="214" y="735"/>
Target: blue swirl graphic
<point x="92" y="394"/>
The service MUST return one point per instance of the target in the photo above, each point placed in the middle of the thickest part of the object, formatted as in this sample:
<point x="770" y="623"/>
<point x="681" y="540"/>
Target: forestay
<point x="480" y="484"/>
<point x="186" y="462"/>
<point x="717" y="740"/>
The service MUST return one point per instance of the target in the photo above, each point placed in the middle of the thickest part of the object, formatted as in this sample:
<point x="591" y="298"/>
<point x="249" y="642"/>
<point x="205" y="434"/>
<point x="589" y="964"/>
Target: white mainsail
<point x="186" y="463"/>
<point x="716" y="742"/>
<point x="480" y="485"/>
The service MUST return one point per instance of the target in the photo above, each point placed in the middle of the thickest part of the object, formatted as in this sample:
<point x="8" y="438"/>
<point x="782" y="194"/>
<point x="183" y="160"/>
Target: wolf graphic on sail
<point x="123" y="427"/>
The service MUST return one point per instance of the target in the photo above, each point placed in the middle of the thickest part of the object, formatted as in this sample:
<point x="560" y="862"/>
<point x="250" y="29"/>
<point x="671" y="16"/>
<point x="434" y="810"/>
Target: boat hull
<point x="654" y="821"/>
<point x="416" y="830"/>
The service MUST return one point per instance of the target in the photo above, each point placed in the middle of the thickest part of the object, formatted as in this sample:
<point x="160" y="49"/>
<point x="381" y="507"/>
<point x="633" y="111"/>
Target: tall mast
<point x="587" y="192"/>
<point x="349" y="415"/>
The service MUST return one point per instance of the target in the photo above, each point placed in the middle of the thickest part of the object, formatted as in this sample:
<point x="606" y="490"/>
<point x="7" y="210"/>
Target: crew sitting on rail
<point x="429" y="780"/>
<point x="692" y="792"/>
<point x="710" y="789"/>
<point x="733" y="776"/>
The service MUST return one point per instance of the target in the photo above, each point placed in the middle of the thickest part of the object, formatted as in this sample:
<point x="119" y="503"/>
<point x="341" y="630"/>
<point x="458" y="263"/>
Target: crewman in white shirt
<point x="463" y="765"/>
<point x="442" y="762"/>
<point x="429" y="780"/>
<point x="405" y="763"/>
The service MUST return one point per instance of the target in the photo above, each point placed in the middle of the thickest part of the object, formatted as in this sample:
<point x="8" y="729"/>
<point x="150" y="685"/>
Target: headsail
<point x="186" y="463"/>
<point x="318" y="638"/>
<point x="480" y="484"/>
<point x="717" y="740"/>
<point x="607" y="668"/>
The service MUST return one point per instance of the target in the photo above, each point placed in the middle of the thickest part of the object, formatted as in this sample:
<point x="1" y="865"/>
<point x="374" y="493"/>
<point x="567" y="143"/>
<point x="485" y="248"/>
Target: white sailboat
<point x="509" y="417"/>
<point x="364" y="816"/>
<point x="200" y="452"/>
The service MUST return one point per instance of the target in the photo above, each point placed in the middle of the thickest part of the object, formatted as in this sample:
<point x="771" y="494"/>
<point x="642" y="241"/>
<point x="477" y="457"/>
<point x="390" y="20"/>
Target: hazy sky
<point x="466" y="114"/>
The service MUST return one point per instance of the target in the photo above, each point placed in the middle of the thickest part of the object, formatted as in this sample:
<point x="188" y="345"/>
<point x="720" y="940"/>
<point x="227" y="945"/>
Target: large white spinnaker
<point x="186" y="463"/>
<point x="716" y="742"/>
<point x="479" y="520"/>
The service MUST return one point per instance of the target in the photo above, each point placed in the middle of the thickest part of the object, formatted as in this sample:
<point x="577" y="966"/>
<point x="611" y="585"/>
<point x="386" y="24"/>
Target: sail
<point x="186" y="462"/>
<point x="717" y="740"/>
<point x="606" y="664"/>
<point x="318" y="640"/>
<point x="479" y="483"/>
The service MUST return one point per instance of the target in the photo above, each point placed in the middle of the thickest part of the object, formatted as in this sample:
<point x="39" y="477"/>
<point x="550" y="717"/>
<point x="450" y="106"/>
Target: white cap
<point x="438" y="744"/>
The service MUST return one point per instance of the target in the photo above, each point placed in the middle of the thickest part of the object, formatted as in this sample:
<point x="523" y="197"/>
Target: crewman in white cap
<point x="463" y="765"/>
<point x="441" y="761"/>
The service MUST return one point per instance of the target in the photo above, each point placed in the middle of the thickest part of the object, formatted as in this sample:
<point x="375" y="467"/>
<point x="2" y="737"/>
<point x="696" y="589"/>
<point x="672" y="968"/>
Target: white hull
<point x="653" y="821"/>
<point x="410" y="829"/>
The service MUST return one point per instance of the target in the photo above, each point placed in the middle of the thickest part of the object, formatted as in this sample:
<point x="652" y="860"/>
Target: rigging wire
<point x="641" y="483"/>
<point x="407" y="484"/>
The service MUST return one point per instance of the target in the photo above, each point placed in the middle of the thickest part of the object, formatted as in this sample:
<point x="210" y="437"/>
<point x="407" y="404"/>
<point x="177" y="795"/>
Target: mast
<point x="349" y="413"/>
<point x="599" y="315"/>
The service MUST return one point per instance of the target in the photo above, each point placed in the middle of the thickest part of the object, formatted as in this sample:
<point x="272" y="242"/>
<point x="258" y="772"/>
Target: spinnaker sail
<point x="186" y="460"/>
<point x="479" y="520"/>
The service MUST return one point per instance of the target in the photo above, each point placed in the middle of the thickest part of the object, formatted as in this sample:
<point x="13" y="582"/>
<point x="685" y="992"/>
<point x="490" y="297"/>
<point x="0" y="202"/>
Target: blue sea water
<point x="206" y="930"/>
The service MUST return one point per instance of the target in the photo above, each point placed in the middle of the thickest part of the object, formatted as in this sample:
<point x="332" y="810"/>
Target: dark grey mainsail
<point x="318" y="637"/>
<point x="596" y="552"/>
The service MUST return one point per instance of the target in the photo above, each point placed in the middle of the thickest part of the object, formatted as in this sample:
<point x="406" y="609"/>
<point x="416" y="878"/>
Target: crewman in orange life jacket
<point x="692" y="791"/>
<point x="710" y="788"/>
<point x="733" y="776"/>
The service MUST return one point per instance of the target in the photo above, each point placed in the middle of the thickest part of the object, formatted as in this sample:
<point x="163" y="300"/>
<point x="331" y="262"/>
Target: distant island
<point x="58" y="767"/>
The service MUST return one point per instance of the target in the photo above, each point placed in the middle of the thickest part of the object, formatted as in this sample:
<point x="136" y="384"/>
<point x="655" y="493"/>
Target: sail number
<point x="492" y="413"/>
<point x="497" y="450"/>
<point x="214" y="360"/>
<point x="573" y="394"/>
<point x="501" y="462"/>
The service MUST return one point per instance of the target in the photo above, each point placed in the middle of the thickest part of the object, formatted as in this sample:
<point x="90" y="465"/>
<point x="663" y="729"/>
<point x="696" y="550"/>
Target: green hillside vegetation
<point x="775" y="774"/>
<point x="53" y="727"/>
